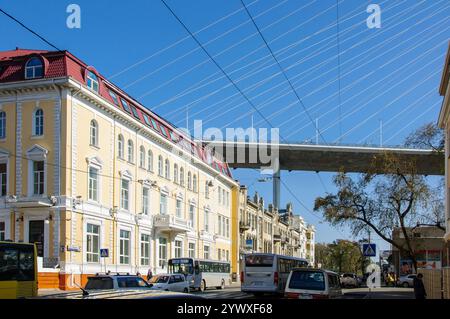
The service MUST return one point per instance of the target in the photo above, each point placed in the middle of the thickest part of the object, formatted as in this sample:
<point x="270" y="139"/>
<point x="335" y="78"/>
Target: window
<point x="178" y="208"/>
<point x="194" y="183"/>
<point x="191" y="250"/>
<point x="92" y="243"/>
<point x="2" y="231"/>
<point x="135" y="113"/>
<point x="3" y="179"/>
<point x="167" y="169"/>
<point x="125" y="105"/>
<point x="146" y="119"/>
<point x="145" y="200"/>
<point x="92" y="81"/>
<point x="219" y="254"/>
<point x="120" y="146"/>
<point x="227" y="227"/>
<point x="34" y="68"/>
<point x="191" y="214"/>
<point x="206" y="221"/>
<point x="38" y="177"/>
<point x="130" y="151"/>
<point x="124" y="249"/>
<point x="175" y="173"/>
<point x="93" y="184"/>
<point x="162" y="251"/>
<point x="2" y="124"/>
<point x="189" y="180"/>
<point x="142" y="157"/>
<point x="124" y="194"/>
<point x="114" y="97"/>
<point x="160" y="165"/>
<point x="227" y="255"/>
<point x="206" y="252"/>
<point x="38" y="122"/>
<point x="206" y="190"/>
<point x="220" y="195"/>
<point x="178" y="248"/>
<point x="94" y="133"/>
<point x="163" y="204"/>
<point x="182" y="176"/>
<point x="220" y="224"/>
<point x="145" y="250"/>
<point x="150" y="160"/>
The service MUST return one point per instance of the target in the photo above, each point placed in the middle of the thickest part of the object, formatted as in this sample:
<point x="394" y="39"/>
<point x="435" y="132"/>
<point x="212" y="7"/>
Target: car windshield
<point x="308" y="280"/>
<point x="131" y="282"/>
<point x="99" y="283"/>
<point x="159" y="279"/>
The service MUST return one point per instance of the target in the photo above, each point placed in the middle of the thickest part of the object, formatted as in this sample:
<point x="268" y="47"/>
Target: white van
<point x="310" y="283"/>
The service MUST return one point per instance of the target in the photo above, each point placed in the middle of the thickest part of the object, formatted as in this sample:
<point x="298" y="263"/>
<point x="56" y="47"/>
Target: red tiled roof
<point x="63" y="63"/>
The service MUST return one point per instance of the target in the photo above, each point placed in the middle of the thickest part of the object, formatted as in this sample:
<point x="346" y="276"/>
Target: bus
<point x="267" y="273"/>
<point x="18" y="270"/>
<point x="202" y="273"/>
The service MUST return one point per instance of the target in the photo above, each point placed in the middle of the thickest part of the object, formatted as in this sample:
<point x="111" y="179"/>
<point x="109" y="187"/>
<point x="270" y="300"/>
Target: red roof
<point x="63" y="63"/>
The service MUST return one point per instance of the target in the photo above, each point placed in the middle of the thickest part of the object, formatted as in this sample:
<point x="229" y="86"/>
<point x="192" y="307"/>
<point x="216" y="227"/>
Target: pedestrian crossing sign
<point x="369" y="250"/>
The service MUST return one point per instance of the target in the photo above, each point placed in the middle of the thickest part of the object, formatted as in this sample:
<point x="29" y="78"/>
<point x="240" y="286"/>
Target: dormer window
<point x="34" y="68"/>
<point x="92" y="81"/>
<point x="114" y="97"/>
<point x="125" y="105"/>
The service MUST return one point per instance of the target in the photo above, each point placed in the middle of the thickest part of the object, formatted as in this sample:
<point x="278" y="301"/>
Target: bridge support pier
<point x="276" y="180"/>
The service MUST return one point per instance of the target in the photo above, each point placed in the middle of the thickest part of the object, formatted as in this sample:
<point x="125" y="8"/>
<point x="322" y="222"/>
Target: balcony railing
<point x="243" y="226"/>
<point x="172" y="223"/>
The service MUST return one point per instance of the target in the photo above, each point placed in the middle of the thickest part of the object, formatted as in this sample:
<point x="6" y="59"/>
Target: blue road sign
<point x="249" y="243"/>
<point x="369" y="250"/>
<point x="104" y="252"/>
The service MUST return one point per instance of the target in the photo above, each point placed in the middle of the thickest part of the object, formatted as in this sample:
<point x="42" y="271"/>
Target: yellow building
<point x="85" y="169"/>
<point x="444" y="123"/>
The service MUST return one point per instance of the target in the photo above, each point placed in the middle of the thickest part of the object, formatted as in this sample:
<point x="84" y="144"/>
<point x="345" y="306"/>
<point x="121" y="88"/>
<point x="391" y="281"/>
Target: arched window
<point x="38" y="122"/>
<point x="181" y="176"/>
<point x="94" y="133"/>
<point x="2" y="124"/>
<point x="160" y="165"/>
<point x="92" y="81"/>
<point x="130" y="151"/>
<point x="120" y="146"/>
<point x="189" y="180"/>
<point x="142" y="157"/>
<point x="167" y="169"/>
<point x="194" y="183"/>
<point x="150" y="160"/>
<point x="34" y="68"/>
<point x="175" y="173"/>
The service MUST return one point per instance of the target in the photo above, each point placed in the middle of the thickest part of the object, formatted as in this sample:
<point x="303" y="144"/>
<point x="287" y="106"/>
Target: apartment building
<point x="98" y="180"/>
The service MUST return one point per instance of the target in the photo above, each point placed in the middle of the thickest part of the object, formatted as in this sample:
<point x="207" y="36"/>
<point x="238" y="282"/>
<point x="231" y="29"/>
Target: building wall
<point x="67" y="154"/>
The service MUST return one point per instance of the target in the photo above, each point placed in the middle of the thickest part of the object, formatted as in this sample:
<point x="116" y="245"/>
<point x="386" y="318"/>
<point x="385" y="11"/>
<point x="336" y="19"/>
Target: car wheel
<point x="185" y="290"/>
<point x="406" y="285"/>
<point x="202" y="286"/>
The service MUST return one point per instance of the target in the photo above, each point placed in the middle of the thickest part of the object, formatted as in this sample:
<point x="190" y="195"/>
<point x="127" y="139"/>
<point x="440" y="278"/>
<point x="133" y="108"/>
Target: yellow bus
<point x="18" y="270"/>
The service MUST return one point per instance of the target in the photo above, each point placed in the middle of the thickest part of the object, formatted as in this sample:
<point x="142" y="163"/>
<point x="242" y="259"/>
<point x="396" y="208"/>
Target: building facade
<point x="266" y="230"/>
<point x="86" y="169"/>
<point x="444" y="123"/>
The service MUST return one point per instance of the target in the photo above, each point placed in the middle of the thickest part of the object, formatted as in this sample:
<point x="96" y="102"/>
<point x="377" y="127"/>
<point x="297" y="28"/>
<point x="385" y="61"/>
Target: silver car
<point x="406" y="281"/>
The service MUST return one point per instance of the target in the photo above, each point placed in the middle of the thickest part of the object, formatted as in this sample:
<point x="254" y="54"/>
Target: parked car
<point x="170" y="282"/>
<point x="122" y="294"/>
<point x="349" y="280"/>
<point x="406" y="281"/>
<point x="115" y="281"/>
<point x="311" y="283"/>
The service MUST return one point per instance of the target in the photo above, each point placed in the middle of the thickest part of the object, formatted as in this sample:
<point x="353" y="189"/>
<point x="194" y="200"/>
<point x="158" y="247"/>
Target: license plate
<point x="305" y="296"/>
<point x="257" y="283"/>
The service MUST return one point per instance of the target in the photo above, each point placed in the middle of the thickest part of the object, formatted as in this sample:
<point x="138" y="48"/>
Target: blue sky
<point x="389" y="74"/>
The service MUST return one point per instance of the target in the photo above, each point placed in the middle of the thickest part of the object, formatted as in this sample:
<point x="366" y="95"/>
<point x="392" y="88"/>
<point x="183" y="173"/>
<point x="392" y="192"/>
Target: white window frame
<point x="99" y="242"/>
<point x="91" y="82"/>
<point x="41" y="122"/>
<point x="167" y="168"/>
<point x="34" y="154"/>
<point x="120" y="147"/>
<point x="130" y="151"/>
<point x="175" y="173"/>
<point x="180" y="248"/>
<point x="160" y="259"/>
<point x="33" y="68"/>
<point x="130" y="240"/>
<point x="150" y="160"/>
<point x="204" y="252"/>
<point x="141" y="255"/>
<point x="160" y="166"/>
<point x="97" y="222"/>
<point x="93" y="133"/>
<point x="3" y="125"/>
<point x="164" y="193"/>
<point x="191" y="250"/>
<point x="4" y="159"/>
<point x="125" y="175"/>
<point x="145" y="200"/>
<point x="142" y="156"/>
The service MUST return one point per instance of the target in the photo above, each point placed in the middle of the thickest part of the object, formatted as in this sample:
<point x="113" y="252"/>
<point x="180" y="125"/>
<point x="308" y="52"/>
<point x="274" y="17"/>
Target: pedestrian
<point x="419" y="288"/>
<point x="149" y="274"/>
<point x="138" y="274"/>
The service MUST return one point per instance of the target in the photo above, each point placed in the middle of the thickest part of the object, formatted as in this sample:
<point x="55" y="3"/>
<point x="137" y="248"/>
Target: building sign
<point x="249" y="243"/>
